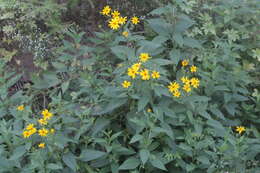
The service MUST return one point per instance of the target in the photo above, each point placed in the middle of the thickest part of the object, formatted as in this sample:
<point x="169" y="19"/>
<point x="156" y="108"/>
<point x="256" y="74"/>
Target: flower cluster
<point x="116" y="20"/>
<point x="30" y="129"/>
<point x="46" y="115"/>
<point x="138" y="69"/>
<point x="187" y="83"/>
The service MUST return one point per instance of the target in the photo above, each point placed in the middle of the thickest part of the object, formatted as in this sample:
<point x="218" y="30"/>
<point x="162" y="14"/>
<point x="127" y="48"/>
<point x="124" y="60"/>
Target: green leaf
<point x="205" y="114"/>
<point x="4" y="163"/>
<point x="162" y="10"/>
<point x="122" y="150"/>
<point x="99" y="125"/>
<point x="217" y="112"/>
<point x="130" y="163"/>
<point x="123" y="52"/>
<point x="161" y="62"/>
<point x="175" y="56"/>
<point x="136" y="138"/>
<point x="65" y="86"/>
<point x="88" y="155"/>
<point x="54" y="166"/>
<point x="177" y="37"/>
<point x="70" y="161"/>
<point x="150" y="46"/>
<point x="18" y="152"/>
<point x="112" y="105"/>
<point x="190" y="167"/>
<point x="49" y="80"/>
<point x="144" y="155"/>
<point x="219" y="129"/>
<point x="161" y="90"/>
<point x="160" y="26"/>
<point x="143" y="102"/>
<point x="183" y="23"/>
<point x="60" y="67"/>
<point x="203" y="159"/>
<point x="158" y="164"/>
<point x="191" y="43"/>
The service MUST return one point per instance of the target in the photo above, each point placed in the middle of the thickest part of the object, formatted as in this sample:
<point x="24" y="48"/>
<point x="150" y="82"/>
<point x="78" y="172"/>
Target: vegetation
<point x="166" y="86"/>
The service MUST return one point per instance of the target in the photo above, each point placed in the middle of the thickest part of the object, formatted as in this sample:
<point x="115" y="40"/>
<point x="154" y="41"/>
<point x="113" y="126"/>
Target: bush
<point x="172" y="91"/>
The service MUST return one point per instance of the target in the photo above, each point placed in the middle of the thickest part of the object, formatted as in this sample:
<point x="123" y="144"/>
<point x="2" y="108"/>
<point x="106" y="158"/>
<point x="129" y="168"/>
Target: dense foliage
<point x="166" y="86"/>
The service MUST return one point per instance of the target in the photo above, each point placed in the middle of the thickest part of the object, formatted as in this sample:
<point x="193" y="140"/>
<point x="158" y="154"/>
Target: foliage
<point x="176" y="92"/>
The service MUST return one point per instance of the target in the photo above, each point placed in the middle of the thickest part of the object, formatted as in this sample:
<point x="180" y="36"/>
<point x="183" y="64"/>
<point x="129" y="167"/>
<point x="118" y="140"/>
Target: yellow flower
<point x="20" y="108"/>
<point x="185" y="80"/>
<point x="195" y="82"/>
<point x="135" y="20"/>
<point x="173" y="86"/>
<point x="132" y="72"/>
<point x="144" y="57"/>
<point x="46" y="114"/>
<point x="136" y="67"/>
<point x="114" y="23"/>
<point x="106" y="11"/>
<point x="32" y="131"/>
<point x="193" y="68"/>
<point x="126" y="84"/>
<point x="41" y="145"/>
<point x="30" y="127"/>
<point x="240" y="129"/>
<point x="149" y="110"/>
<point x="155" y="74"/>
<point x="186" y="88"/>
<point x="184" y="63"/>
<point x="145" y="74"/>
<point x="52" y="131"/>
<point x="26" y="134"/>
<point x="42" y="121"/>
<point x="115" y="14"/>
<point x="122" y="20"/>
<point x="176" y="93"/>
<point x="125" y="34"/>
<point x="43" y="132"/>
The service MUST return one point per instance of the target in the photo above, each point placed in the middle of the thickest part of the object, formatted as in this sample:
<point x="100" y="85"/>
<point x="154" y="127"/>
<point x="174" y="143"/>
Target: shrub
<point x="168" y="92"/>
